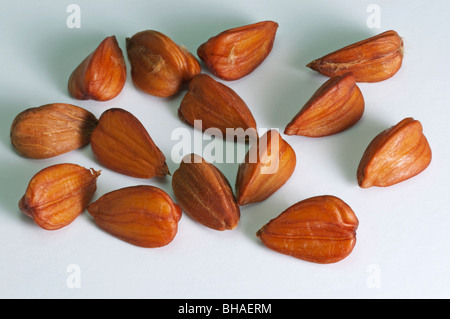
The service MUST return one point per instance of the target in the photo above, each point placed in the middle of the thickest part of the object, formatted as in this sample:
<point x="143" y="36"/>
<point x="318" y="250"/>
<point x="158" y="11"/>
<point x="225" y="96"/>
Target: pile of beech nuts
<point x="320" y="229"/>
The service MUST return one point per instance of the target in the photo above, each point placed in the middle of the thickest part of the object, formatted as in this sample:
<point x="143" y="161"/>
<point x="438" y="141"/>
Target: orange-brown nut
<point x="58" y="194"/>
<point x="158" y="65"/>
<point x="121" y="143"/>
<point x="319" y="229"/>
<point x="395" y="155"/>
<point x="371" y="60"/>
<point x="337" y="105"/>
<point x="102" y="75"/>
<point x="235" y="53"/>
<point x="217" y="107"/>
<point x="267" y="166"/>
<point x="51" y="130"/>
<point x="141" y="215"/>
<point x="205" y="194"/>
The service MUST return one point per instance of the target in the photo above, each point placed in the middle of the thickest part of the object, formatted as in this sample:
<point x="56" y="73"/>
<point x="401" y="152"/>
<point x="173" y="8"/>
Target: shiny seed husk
<point x="121" y="143"/>
<point x="371" y="60"/>
<point x="159" y="66"/>
<point x="205" y="194"/>
<point x="58" y="194"/>
<point x="51" y="130"/>
<point x="142" y="215"/>
<point x="235" y="53"/>
<point x="267" y="166"/>
<point x="219" y="108"/>
<point x="336" y="106"/>
<point x="395" y="155"/>
<point x="102" y="75"/>
<point x="319" y="229"/>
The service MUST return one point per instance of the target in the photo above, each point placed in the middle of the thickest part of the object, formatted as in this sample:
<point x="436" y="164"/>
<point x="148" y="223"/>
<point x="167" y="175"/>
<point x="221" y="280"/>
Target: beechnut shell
<point x="267" y="166"/>
<point x="51" y="130"/>
<point x="337" y="105"/>
<point x="395" y="155"/>
<point x="319" y="229"/>
<point x="218" y="107"/>
<point x="236" y="52"/>
<point x="142" y="215"/>
<point x="159" y="66"/>
<point x="102" y="75"/>
<point x="58" y="194"/>
<point x="205" y="194"/>
<point x="121" y="143"/>
<point x="371" y="60"/>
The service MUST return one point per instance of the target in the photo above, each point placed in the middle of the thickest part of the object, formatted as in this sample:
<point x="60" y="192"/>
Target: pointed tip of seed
<point x="165" y="170"/>
<point x="288" y="130"/>
<point x="313" y="65"/>
<point x="364" y="183"/>
<point x="92" y="209"/>
<point x="260" y="231"/>
<point x="96" y="173"/>
<point x="23" y="207"/>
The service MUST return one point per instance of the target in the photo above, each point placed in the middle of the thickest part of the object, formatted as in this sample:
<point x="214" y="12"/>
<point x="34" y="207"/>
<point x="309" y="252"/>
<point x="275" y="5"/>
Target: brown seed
<point x="319" y="229"/>
<point x="371" y="60"/>
<point x="51" y="130"/>
<point x="121" y="143"/>
<point x="337" y="105"/>
<point x="395" y="155"/>
<point x="235" y="53"/>
<point x="217" y="107"/>
<point x="102" y="75"/>
<point x="158" y="65"/>
<point x="58" y="194"/>
<point x="205" y="194"/>
<point x="141" y="215"/>
<point x="268" y="165"/>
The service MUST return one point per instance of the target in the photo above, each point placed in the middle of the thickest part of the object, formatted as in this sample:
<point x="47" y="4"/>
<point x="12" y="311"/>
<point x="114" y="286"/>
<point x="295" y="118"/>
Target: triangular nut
<point x="267" y="166"/>
<point x="371" y="60"/>
<point x="395" y="155"/>
<point x="121" y="143"/>
<point x="219" y="108"/>
<point x="336" y="106"/>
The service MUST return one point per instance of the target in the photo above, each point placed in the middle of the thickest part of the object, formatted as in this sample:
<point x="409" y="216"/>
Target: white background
<point x="403" y="247"/>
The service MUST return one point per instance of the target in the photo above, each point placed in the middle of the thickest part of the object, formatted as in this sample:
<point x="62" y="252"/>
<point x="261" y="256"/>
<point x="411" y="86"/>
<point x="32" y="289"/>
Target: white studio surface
<point x="402" y="249"/>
